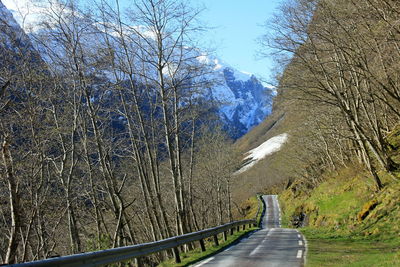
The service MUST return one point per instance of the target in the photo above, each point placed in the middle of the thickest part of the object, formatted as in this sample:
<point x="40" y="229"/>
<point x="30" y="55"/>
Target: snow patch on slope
<point x="269" y="147"/>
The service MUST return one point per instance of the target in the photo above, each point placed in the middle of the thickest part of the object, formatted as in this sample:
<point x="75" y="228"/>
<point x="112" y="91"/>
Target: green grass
<point x="251" y="207"/>
<point x="329" y="251"/>
<point x="336" y="235"/>
<point x="351" y="244"/>
<point x="262" y="207"/>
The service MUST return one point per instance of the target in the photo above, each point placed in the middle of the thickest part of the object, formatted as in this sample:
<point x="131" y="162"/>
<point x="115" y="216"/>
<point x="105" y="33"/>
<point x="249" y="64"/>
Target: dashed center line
<point x="259" y="246"/>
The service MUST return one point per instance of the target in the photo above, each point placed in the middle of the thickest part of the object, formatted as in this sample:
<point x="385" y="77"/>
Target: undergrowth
<point x="346" y="220"/>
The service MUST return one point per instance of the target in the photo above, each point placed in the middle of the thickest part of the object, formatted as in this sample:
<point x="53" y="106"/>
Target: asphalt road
<point x="269" y="247"/>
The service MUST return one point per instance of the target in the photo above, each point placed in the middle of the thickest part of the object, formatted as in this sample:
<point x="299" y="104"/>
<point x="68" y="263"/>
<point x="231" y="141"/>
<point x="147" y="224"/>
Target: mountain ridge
<point x="243" y="101"/>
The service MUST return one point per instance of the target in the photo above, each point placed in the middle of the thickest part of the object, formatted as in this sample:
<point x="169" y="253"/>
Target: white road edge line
<point x="266" y="213"/>
<point x="279" y="210"/>
<point x="299" y="253"/>
<point x="305" y="250"/>
<point x="204" y="262"/>
<point x="300" y="243"/>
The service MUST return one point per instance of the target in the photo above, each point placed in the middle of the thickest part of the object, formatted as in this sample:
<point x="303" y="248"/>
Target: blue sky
<point x="237" y="26"/>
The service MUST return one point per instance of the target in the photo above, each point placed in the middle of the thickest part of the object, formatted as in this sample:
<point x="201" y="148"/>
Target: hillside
<point x="337" y="100"/>
<point x="272" y="173"/>
<point x="338" y="173"/>
<point x="346" y="221"/>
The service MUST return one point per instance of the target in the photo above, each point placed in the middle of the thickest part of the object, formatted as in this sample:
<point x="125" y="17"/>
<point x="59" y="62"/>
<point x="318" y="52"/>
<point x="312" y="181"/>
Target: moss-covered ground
<point x="348" y="222"/>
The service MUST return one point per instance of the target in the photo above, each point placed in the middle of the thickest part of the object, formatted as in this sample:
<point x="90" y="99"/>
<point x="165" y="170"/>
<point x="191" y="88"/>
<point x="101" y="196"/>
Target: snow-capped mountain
<point x="250" y="104"/>
<point x="243" y="100"/>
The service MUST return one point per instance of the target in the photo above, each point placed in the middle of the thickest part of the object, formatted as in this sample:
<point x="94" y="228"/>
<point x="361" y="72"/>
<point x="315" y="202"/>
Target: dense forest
<point x="106" y="139"/>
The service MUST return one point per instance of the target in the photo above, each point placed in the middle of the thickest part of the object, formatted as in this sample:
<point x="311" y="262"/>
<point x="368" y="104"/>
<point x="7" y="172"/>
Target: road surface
<point x="272" y="246"/>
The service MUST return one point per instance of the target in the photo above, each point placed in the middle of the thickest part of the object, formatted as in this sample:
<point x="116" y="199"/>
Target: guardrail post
<point x="231" y="231"/>
<point x="140" y="251"/>
<point x="244" y="227"/>
<point x="225" y="236"/>
<point x="216" y="240"/>
<point x="249" y="225"/>
<point x="203" y="247"/>
<point x="238" y="228"/>
<point x="138" y="262"/>
<point x="176" y="255"/>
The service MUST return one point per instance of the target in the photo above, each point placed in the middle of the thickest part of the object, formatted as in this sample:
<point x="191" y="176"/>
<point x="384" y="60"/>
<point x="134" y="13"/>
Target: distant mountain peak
<point x="243" y="100"/>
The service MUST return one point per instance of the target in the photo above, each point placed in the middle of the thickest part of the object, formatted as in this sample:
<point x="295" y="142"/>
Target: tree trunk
<point x="15" y="209"/>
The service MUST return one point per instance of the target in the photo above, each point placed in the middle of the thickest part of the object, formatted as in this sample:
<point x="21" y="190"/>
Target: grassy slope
<point x="335" y="235"/>
<point x="265" y="174"/>
<point x="349" y="223"/>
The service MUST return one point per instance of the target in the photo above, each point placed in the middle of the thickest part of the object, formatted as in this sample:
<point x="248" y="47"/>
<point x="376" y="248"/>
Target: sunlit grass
<point x="336" y="235"/>
<point x="325" y="251"/>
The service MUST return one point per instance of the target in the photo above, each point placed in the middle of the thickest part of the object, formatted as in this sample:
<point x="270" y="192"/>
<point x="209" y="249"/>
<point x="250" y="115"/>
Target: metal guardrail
<point x="114" y="255"/>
